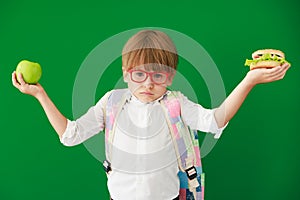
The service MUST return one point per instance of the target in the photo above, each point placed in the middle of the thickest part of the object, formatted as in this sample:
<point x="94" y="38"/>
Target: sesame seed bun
<point x="266" y="58"/>
<point x="260" y="52"/>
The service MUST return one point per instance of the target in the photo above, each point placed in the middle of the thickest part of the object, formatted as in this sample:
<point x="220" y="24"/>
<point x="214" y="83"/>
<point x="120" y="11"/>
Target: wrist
<point x="40" y="95"/>
<point x="249" y="82"/>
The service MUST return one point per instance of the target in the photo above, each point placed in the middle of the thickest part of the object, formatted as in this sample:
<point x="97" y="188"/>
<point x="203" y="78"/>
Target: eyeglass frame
<point x="147" y="75"/>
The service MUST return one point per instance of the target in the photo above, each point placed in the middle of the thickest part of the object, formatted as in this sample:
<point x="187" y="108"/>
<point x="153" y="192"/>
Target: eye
<point x="139" y="74"/>
<point x="158" y="76"/>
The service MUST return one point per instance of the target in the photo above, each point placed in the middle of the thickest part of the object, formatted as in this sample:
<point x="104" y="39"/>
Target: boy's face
<point x="147" y="85"/>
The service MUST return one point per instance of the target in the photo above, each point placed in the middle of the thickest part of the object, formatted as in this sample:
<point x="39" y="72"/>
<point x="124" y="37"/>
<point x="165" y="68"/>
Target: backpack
<point x="185" y="141"/>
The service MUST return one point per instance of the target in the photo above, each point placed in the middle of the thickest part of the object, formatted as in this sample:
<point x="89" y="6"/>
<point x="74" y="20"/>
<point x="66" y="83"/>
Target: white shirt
<point x="144" y="164"/>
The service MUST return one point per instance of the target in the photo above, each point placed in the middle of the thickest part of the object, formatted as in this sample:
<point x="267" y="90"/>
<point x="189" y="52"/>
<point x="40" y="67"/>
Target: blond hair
<point x="150" y="47"/>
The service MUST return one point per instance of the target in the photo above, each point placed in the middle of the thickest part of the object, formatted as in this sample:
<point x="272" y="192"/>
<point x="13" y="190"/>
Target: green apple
<point x="30" y="71"/>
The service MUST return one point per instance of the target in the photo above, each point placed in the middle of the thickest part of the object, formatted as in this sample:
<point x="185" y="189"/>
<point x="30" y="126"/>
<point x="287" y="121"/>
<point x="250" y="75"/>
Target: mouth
<point x="146" y="93"/>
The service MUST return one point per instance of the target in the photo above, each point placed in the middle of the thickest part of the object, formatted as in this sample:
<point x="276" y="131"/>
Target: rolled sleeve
<point x="214" y="126"/>
<point x="200" y="118"/>
<point x="88" y="125"/>
<point x="69" y="137"/>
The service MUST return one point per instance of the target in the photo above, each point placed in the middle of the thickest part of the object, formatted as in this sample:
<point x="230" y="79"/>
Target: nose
<point x="148" y="82"/>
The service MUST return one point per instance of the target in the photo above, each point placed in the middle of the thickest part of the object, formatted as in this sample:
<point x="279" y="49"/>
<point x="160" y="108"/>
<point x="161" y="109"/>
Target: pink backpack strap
<point x="114" y="104"/>
<point x="186" y="146"/>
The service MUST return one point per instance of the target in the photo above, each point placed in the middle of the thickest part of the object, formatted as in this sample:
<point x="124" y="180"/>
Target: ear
<point x="125" y="75"/>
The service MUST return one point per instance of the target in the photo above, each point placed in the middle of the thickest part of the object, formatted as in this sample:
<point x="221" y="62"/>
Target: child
<point x="142" y="158"/>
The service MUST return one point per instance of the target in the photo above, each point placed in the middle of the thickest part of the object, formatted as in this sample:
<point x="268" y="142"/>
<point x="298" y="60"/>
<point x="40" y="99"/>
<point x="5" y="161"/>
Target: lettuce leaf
<point x="266" y="57"/>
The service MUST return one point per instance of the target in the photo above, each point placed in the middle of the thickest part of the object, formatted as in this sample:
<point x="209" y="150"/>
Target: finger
<point x="281" y="74"/>
<point x="273" y="70"/>
<point x="284" y="68"/>
<point x="277" y="74"/>
<point x="38" y="84"/>
<point x="279" y="77"/>
<point x="274" y="73"/>
<point x="15" y="80"/>
<point x="21" y="80"/>
<point x="281" y="69"/>
<point x="286" y="64"/>
<point x="13" y="76"/>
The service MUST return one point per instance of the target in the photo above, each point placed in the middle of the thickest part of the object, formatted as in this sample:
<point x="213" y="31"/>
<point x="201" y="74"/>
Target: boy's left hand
<point x="264" y="75"/>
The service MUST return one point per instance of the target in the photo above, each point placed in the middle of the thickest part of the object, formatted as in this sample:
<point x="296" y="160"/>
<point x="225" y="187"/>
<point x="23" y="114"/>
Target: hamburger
<point x="266" y="58"/>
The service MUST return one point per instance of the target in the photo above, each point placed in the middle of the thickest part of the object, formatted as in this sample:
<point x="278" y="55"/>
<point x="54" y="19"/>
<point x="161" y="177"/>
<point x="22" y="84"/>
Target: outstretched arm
<point x="234" y="101"/>
<point x="57" y="120"/>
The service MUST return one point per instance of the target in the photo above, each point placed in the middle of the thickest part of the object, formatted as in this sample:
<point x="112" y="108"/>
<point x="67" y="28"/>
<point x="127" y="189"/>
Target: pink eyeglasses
<point x="140" y="76"/>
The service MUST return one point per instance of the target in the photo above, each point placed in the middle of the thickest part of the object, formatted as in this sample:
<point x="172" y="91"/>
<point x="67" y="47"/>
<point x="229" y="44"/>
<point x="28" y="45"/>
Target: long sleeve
<point x="88" y="125"/>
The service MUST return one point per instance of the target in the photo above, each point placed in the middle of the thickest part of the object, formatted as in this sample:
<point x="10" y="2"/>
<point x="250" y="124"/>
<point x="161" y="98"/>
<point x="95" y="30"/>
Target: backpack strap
<point x="104" y="107"/>
<point x="114" y="105"/>
<point x="185" y="144"/>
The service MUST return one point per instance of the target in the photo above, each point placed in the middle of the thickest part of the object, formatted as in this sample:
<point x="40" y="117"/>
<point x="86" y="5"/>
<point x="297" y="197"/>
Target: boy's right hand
<point x="34" y="90"/>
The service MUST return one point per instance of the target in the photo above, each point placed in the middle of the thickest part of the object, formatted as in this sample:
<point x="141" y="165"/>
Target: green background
<point x="256" y="158"/>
